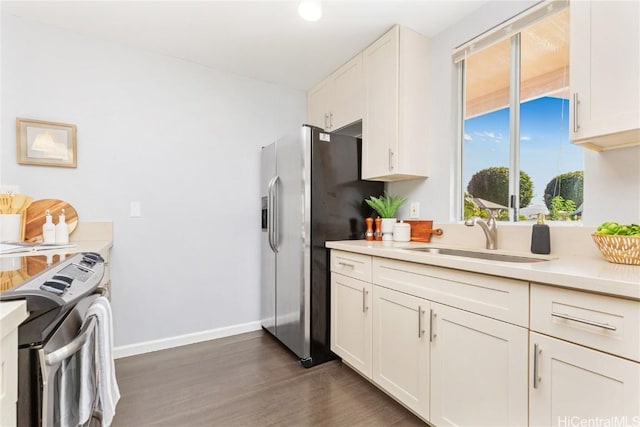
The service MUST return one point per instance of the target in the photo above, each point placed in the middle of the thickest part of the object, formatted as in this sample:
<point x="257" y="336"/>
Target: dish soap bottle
<point x="48" y="229"/>
<point x="540" y="239"/>
<point x="62" y="230"/>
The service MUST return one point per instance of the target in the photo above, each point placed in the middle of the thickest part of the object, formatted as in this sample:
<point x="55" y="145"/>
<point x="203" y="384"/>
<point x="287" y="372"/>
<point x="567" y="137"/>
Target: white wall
<point x="612" y="183"/>
<point x="182" y="139"/>
<point x="612" y="186"/>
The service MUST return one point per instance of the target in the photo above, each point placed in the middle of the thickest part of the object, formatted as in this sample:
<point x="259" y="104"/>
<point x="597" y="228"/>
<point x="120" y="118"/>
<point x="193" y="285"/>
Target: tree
<point x="471" y="209"/>
<point x="561" y="208"/>
<point x="569" y="185"/>
<point x="493" y="184"/>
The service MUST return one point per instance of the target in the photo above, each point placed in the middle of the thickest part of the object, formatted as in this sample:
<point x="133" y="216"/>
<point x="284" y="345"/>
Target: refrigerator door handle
<point x="270" y="213"/>
<point x="272" y="218"/>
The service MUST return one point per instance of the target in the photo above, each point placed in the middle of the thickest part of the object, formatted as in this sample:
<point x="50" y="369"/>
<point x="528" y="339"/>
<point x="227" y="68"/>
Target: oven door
<point x="68" y="368"/>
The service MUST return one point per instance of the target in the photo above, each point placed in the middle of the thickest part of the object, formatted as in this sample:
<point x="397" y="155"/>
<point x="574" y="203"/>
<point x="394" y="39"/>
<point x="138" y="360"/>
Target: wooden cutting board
<point x="421" y="230"/>
<point x="35" y="217"/>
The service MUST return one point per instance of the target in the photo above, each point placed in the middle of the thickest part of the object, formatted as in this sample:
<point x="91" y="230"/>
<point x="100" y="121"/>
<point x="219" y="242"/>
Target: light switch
<point x="135" y="210"/>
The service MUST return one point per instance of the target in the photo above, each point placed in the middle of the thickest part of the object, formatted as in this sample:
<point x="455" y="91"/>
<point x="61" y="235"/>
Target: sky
<point x="545" y="150"/>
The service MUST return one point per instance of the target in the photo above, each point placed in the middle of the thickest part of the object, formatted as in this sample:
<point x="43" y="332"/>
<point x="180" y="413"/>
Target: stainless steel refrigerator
<point x="311" y="192"/>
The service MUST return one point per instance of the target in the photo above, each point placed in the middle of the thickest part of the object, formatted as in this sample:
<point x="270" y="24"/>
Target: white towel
<point x="77" y="379"/>
<point x="69" y="382"/>
<point x="87" y="384"/>
<point x="108" y="391"/>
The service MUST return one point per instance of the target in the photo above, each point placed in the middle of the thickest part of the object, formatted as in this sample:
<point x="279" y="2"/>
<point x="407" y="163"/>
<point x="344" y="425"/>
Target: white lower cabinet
<point x="351" y="321"/>
<point x="584" y="354"/>
<point x="401" y="347"/>
<point x="467" y="349"/>
<point x="12" y="314"/>
<point x="574" y="385"/>
<point x="478" y="370"/>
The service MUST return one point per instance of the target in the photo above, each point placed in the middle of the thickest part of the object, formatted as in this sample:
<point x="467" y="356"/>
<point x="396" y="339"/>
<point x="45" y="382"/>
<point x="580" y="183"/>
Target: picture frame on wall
<point x="46" y="143"/>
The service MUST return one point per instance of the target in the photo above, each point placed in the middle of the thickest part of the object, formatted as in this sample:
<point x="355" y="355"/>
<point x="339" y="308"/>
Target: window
<point x="515" y="148"/>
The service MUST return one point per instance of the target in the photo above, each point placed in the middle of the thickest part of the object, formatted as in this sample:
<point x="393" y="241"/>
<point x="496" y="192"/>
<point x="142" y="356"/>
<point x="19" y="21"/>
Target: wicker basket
<point x="619" y="249"/>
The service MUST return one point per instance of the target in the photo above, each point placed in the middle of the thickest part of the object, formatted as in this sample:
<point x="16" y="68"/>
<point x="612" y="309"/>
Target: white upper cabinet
<point x="605" y="74"/>
<point x="395" y="107"/>
<point x="347" y="98"/>
<point x="337" y="101"/>
<point x="318" y="105"/>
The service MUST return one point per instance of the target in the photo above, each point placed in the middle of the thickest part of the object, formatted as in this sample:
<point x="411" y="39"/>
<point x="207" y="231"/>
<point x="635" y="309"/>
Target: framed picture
<point x="46" y="143"/>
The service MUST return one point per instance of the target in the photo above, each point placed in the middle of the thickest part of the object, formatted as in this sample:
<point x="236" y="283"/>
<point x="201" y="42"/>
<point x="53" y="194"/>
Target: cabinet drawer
<point x="491" y="296"/>
<point x="351" y="264"/>
<point x="601" y="322"/>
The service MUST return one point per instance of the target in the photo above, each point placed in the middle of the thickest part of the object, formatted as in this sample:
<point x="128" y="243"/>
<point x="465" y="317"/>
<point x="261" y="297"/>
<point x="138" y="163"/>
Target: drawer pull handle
<point x="432" y="316"/>
<point x="537" y="351"/>
<point x="346" y="265"/>
<point x="576" y="102"/>
<point x="585" y="321"/>
<point x="364" y="300"/>
<point x="420" y="330"/>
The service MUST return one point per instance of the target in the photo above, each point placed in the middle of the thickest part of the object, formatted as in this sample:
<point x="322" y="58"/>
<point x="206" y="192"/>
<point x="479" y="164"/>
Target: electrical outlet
<point x="414" y="210"/>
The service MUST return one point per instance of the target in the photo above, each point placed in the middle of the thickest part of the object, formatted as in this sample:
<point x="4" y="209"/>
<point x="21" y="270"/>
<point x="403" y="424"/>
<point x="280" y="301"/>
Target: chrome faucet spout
<point x="490" y="228"/>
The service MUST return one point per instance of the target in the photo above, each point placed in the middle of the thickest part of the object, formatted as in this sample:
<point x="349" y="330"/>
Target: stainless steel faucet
<point x="490" y="228"/>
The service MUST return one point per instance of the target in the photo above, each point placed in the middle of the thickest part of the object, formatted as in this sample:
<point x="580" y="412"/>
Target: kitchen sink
<point x="480" y="255"/>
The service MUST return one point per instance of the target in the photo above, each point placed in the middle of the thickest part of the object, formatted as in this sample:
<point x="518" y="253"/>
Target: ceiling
<point x="264" y="40"/>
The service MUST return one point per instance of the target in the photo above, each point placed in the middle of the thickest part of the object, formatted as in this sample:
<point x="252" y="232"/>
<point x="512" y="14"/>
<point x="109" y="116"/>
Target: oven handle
<point x="74" y="346"/>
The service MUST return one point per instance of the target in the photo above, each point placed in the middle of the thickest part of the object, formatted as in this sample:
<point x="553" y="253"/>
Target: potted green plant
<point x="386" y="206"/>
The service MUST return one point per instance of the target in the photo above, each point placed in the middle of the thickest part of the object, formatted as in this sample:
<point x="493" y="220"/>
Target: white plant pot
<point x="387" y="228"/>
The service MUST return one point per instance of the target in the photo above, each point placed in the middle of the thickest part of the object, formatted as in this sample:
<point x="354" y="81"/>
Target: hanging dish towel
<point x="108" y="391"/>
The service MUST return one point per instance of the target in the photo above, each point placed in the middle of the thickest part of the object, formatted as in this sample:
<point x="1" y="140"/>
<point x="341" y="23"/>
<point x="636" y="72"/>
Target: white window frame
<point x="508" y="29"/>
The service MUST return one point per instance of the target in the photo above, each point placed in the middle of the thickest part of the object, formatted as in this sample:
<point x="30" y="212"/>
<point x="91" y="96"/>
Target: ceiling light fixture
<point x="310" y="10"/>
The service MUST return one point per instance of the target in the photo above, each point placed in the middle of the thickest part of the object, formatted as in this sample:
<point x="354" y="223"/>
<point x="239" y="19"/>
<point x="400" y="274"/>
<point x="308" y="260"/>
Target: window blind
<point x="510" y="27"/>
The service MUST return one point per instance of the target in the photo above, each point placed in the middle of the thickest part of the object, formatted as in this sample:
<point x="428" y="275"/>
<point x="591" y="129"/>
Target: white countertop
<point x="100" y="246"/>
<point x="593" y="274"/>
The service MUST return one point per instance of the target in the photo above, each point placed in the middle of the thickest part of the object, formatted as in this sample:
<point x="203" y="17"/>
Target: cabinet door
<point x="401" y="347"/>
<point x="574" y="385"/>
<point x="347" y="96"/>
<point x="8" y="377"/>
<point x="318" y="104"/>
<point x="351" y="321"/>
<point x="380" y="122"/>
<point x="478" y="370"/>
<point x="605" y="65"/>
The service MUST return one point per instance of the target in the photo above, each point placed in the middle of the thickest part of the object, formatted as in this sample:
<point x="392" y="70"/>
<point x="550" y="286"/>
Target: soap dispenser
<point x="48" y="229"/>
<point x="62" y="230"/>
<point x="540" y="239"/>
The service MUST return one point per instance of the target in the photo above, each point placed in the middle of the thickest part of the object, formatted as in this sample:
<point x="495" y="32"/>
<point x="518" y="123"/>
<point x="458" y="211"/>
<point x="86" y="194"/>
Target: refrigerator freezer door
<point x="338" y="211"/>
<point x="268" y="256"/>
<point x="293" y="233"/>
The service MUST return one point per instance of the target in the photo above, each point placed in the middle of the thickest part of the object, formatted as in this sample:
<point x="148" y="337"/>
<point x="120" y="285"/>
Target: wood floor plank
<point x="247" y="380"/>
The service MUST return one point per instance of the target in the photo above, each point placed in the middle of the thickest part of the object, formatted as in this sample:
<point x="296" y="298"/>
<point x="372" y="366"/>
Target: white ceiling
<point x="265" y="40"/>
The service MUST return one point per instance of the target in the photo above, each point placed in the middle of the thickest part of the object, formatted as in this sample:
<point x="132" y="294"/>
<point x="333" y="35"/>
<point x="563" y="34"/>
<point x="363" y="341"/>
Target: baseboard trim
<point x="180" y="340"/>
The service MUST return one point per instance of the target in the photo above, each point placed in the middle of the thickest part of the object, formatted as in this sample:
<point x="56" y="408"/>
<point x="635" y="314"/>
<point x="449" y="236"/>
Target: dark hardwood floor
<point x="247" y="380"/>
